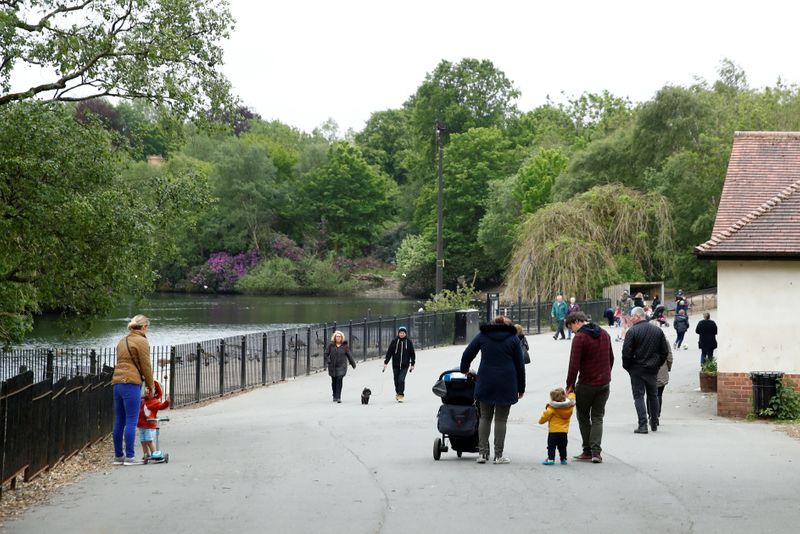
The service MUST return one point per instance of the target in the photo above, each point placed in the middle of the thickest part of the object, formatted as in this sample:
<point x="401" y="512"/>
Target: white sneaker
<point x="132" y="461"/>
<point x="502" y="460"/>
<point x="118" y="460"/>
<point x="482" y="459"/>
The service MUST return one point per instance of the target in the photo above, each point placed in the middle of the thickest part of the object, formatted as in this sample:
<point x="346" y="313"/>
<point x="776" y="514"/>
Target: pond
<point x="180" y="318"/>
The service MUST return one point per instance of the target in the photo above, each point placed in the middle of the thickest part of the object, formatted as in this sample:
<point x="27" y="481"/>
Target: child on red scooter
<point x="149" y="410"/>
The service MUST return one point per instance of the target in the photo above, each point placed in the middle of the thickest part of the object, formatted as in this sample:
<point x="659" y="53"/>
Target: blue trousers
<point x="127" y="399"/>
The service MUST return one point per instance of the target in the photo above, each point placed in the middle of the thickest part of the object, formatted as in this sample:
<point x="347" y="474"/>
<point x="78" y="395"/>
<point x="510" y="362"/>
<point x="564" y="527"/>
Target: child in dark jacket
<point x="681" y="325"/>
<point x="149" y="410"/>
<point x="557" y="414"/>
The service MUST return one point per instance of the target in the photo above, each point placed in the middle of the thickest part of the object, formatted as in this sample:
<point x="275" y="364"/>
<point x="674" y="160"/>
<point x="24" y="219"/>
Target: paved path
<point x="285" y="459"/>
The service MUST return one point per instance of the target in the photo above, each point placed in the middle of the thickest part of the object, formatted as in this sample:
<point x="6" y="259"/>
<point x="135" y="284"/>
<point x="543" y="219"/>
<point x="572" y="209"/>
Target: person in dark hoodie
<point x="401" y="352"/>
<point x="499" y="384"/>
<point x="589" y="376"/>
<point x="681" y="325"/>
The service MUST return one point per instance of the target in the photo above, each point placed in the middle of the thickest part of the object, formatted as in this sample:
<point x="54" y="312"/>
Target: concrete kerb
<point x="284" y="458"/>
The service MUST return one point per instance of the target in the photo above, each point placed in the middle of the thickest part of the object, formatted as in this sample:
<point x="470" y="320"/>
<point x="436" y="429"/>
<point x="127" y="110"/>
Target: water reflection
<point x="189" y="318"/>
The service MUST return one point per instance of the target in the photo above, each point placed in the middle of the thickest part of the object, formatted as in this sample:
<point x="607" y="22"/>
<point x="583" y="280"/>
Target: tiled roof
<point x="759" y="211"/>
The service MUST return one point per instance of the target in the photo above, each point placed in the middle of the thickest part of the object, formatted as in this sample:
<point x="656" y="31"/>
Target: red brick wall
<point x="735" y="393"/>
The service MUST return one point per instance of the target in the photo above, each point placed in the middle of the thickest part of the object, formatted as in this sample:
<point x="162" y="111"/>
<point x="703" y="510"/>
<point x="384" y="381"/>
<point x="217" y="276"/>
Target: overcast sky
<point x="303" y="61"/>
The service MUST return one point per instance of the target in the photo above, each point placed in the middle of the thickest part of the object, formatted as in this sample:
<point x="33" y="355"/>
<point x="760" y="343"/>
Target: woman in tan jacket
<point x="133" y="368"/>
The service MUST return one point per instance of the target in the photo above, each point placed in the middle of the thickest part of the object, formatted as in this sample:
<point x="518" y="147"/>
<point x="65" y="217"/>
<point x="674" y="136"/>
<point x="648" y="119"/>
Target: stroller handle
<point x="456" y="370"/>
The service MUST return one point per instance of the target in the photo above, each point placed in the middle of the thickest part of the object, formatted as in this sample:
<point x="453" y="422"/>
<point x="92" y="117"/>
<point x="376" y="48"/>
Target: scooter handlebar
<point x="157" y="420"/>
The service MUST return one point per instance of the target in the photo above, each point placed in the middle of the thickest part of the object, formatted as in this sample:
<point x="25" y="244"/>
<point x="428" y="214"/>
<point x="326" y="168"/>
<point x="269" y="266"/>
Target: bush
<point x="322" y="276"/>
<point x="419" y="282"/>
<point x="275" y="275"/>
<point x="222" y="271"/>
<point x="785" y="405"/>
<point x="414" y="253"/>
<point x="709" y="367"/>
<point x="457" y="299"/>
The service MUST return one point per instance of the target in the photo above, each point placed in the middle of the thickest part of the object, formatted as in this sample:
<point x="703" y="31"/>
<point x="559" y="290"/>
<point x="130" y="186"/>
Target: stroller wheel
<point x="166" y="458"/>
<point x="437" y="448"/>
<point x="459" y="453"/>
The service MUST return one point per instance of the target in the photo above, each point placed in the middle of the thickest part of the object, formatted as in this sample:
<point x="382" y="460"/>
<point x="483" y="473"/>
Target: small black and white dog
<point x="365" y="395"/>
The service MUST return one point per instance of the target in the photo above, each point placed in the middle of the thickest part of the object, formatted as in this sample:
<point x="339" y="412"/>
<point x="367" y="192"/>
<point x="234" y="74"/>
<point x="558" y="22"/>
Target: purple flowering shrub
<point x="285" y="247"/>
<point x="222" y="270"/>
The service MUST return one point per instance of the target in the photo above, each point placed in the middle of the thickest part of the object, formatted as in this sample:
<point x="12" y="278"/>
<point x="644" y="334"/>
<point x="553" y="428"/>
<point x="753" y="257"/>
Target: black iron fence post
<point x="92" y="362"/>
<point x="538" y="314"/>
<point x="296" y="350"/>
<point x="48" y="370"/>
<point x="283" y="354"/>
<point x="172" y="364"/>
<point x="380" y="336"/>
<point x="221" y="367"/>
<point x="243" y="357"/>
<point x="364" y="340"/>
<point x="422" y="330"/>
<point x="350" y="334"/>
<point x="435" y="331"/>
<point x="264" y="359"/>
<point x="308" y="350"/>
<point x="198" y="355"/>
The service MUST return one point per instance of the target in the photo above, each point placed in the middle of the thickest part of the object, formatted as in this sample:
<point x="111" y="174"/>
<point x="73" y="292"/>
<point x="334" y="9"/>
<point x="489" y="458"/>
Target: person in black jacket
<point x="499" y="384"/>
<point x="401" y="352"/>
<point x="644" y="351"/>
<point x="707" y="331"/>
<point x="337" y="356"/>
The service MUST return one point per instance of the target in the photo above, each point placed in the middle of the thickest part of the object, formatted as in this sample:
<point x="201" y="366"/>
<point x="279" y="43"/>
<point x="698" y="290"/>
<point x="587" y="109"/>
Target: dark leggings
<point x="706" y="354"/>
<point x="400" y="379"/>
<point x="336" y="386"/>
<point x="679" y="340"/>
<point x="559" y="440"/>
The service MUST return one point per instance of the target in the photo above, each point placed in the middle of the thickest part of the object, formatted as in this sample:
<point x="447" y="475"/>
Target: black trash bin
<point x="765" y="386"/>
<point x="466" y="326"/>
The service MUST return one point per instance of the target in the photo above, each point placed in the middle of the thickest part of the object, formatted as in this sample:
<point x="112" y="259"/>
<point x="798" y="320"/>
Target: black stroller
<point x="658" y="315"/>
<point x="457" y="419"/>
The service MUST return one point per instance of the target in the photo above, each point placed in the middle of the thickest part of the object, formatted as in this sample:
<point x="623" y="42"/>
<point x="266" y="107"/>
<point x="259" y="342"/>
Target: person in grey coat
<point x="499" y="384"/>
<point x="337" y="356"/>
<point x="662" y="379"/>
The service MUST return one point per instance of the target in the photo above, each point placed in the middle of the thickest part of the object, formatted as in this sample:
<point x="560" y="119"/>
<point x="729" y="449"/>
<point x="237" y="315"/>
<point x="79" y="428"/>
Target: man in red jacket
<point x="590" y="361"/>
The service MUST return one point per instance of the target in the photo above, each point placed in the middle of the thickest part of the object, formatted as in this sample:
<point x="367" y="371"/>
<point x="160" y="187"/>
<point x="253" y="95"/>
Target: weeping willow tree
<point x="604" y="236"/>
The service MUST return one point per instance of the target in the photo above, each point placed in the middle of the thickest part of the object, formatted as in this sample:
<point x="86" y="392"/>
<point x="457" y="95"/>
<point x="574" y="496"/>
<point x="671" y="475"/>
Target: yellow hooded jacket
<point x="558" y="414"/>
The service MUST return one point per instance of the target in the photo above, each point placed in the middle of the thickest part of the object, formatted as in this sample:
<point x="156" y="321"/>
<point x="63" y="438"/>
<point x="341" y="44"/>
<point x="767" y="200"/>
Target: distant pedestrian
<point x="500" y="382"/>
<point x="609" y="315"/>
<point x="625" y="304"/>
<point x="132" y="370"/>
<point x="656" y="302"/>
<point x="573" y="307"/>
<point x="681" y="303"/>
<point x="589" y="377"/>
<point x="526" y="350"/>
<point x="638" y="300"/>
<point x="401" y="353"/>
<point x="707" y="332"/>
<point x="643" y="353"/>
<point x="662" y="379"/>
<point x="557" y="414"/>
<point x="681" y="325"/>
<point x="558" y="311"/>
<point x="337" y="356"/>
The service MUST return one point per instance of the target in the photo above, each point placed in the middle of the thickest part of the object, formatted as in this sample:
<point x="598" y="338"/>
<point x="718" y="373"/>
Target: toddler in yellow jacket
<point x="558" y="413"/>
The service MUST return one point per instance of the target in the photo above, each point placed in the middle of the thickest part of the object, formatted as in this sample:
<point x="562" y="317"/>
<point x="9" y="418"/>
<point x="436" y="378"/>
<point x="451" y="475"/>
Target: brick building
<point x="756" y="242"/>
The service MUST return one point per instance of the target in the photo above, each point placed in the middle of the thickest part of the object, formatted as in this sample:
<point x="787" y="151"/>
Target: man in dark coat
<point x="499" y="384"/>
<point x="644" y="351"/>
<point x="590" y="361"/>
<point x="401" y="352"/>
<point x="707" y="332"/>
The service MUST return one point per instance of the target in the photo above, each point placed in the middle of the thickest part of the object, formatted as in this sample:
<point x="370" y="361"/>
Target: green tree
<point x="536" y="177"/>
<point x="350" y="200"/>
<point x="384" y="142"/>
<point x="74" y="236"/>
<point x="165" y="51"/>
